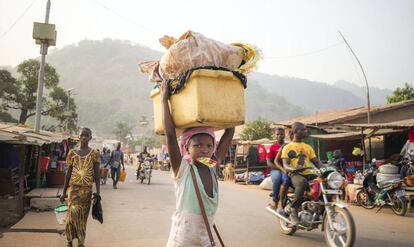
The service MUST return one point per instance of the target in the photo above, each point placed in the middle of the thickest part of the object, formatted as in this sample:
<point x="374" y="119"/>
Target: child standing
<point x="195" y="152"/>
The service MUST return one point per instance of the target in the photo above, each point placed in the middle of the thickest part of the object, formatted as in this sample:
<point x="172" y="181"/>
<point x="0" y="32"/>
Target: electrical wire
<point x="18" y="19"/>
<point x="125" y="18"/>
<point x="307" y="53"/>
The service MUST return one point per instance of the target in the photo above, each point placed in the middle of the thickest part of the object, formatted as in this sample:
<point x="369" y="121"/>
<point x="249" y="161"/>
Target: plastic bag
<point x="195" y="50"/>
<point x="122" y="176"/>
<point x="266" y="184"/>
<point x="97" y="212"/>
<point x="356" y="151"/>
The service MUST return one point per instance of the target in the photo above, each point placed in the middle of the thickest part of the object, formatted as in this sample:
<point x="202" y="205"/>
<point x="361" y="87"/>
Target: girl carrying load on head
<point x="196" y="152"/>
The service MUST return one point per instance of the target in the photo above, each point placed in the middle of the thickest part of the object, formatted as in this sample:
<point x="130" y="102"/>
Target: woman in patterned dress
<point x="83" y="163"/>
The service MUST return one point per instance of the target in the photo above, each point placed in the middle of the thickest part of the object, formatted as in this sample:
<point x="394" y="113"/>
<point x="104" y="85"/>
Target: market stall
<point x="45" y="154"/>
<point x="396" y="136"/>
<point x="250" y="161"/>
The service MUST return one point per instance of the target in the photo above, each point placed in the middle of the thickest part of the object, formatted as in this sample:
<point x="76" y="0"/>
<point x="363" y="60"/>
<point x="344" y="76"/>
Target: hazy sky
<point x="298" y="38"/>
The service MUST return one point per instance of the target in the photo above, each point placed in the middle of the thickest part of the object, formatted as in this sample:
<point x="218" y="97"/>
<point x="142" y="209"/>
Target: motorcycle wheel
<point x="343" y="233"/>
<point x="149" y="178"/>
<point x="364" y="200"/>
<point x="410" y="171"/>
<point x="285" y="228"/>
<point x="399" y="205"/>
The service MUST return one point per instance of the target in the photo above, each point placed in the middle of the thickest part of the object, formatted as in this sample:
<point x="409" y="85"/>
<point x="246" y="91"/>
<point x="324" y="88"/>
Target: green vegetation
<point x="257" y="129"/>
<point x="20" y="94"/>
<point x="121" y="130"/>
<point x="7" y="117"/>
<point x="401" y="94"/>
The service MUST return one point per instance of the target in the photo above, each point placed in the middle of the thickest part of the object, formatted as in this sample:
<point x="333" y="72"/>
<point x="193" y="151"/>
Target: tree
<point x="20" y="94"/>
<point x="6" y="117"/>
<point x="257" y="129"/>
<point x="401" y="94"/>
<point x="121" y="130"/>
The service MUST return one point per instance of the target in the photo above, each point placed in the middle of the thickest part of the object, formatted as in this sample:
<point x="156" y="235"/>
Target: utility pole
<point x="45" y="36"/>
<point x="67" y="123"/>
<point x="143" y="123"/>
<point x="43" y="51"/>
<point x="368" y="101"/>
<point x="363" y="72"/>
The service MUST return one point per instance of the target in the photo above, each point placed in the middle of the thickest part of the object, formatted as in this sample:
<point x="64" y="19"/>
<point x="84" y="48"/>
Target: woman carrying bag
<point x="83" y="171"/>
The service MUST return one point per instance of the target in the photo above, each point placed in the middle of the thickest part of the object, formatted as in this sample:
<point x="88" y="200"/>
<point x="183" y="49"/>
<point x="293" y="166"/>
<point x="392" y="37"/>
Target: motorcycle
<point x="144" y="171"/>
<point x="407" y="165"/>
<point x="166" y="166"/>
<point x="387" y="193"/>
<point x="322" y="207"/>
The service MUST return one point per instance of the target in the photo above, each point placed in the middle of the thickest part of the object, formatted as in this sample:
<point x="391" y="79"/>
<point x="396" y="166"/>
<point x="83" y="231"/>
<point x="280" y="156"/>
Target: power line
<point x="125" y="18"/>
<point x="307" y="53"/>
<point x="18" y="19"/>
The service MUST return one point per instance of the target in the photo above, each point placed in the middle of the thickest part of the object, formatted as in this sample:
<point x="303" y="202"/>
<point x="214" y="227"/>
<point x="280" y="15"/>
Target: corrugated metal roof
<point x="342" y="115"/>
<point x="403" y="124"/>
<point x="255" y="142"/>
<point x="25" y="135"/>
<point x="8" y="136"/>
<point x="354" y="135"/>
<point x="339" y="136"/>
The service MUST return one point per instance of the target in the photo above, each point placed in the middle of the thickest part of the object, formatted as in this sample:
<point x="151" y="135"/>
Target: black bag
<point x="97" y="213"/>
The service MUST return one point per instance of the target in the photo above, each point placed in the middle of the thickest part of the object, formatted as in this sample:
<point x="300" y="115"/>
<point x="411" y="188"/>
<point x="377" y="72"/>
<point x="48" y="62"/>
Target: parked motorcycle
<point x="322" y="206"/>
<point x="144" y="171"/>
<point x="407" y="165"/>
<point x="386" y="193"/>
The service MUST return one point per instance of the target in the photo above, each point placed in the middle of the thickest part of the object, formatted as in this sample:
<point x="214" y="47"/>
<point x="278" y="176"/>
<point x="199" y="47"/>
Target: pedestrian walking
<point x="115" y="161"/>
<point x="103" y="167"/>
<point x="83" y="163"/>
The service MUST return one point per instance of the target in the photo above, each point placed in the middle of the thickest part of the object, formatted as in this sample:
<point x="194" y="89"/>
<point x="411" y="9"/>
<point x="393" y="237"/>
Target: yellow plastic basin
<point x="209" y="98"/>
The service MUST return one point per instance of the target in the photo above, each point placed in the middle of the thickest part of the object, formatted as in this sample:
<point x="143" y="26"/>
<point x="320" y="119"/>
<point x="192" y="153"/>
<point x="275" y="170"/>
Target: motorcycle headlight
<point x="335" y="180"/>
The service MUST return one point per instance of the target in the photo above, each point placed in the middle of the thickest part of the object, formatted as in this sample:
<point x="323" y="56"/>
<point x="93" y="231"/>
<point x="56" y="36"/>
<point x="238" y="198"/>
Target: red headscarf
<point x="188" y="133"/>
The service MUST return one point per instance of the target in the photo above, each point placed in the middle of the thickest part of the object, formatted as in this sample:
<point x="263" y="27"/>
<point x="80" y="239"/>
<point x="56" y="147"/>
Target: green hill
<point x="109" y="86"/>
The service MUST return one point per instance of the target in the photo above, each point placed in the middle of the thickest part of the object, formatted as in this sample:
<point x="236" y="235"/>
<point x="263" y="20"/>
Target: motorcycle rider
<point x="280" y="180"/>
<point x="297" y="156"/>
<point x="141" y="158"/>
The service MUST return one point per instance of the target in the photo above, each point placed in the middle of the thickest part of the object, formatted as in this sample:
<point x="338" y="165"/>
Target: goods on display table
<point x="386" y="173"/>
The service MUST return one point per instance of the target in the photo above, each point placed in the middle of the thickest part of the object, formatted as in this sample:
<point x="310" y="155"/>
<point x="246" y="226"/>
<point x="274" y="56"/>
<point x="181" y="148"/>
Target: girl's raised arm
<point x="172" y="144"/>
<point x="224" y="144"/>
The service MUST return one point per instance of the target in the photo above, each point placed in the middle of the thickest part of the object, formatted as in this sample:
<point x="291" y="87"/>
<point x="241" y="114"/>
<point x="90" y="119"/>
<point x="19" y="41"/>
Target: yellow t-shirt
<point x="304" y="154"/>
